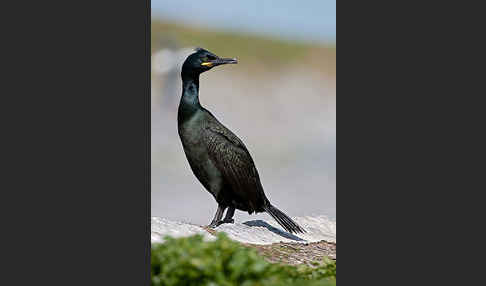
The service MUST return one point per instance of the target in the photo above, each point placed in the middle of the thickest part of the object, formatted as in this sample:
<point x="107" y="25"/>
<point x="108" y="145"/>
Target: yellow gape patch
<point x="207" y="64"/>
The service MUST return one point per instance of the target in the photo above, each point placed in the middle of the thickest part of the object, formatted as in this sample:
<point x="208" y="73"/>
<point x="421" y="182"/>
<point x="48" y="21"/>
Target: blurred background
<point x="280" y="99"/>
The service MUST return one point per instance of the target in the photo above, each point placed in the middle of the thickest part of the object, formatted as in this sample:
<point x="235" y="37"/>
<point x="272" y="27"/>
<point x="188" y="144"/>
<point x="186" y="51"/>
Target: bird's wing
<point x="233" y="160"/>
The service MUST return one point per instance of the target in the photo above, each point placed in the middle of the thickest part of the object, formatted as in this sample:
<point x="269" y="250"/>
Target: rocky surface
<point x="259" y="232"/>
<point x="297" y="253"/>
<point x="267" y="237"/>
<point x="161" y="227"/>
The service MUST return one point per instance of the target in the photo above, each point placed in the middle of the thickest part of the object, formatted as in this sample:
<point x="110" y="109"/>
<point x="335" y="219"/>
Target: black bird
<point x="218" y="158"/>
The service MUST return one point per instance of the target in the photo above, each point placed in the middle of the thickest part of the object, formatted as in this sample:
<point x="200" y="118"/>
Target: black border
<point x="410" y="102"/>
<point x="148" y="142"/>
<point x="75" y="191"/>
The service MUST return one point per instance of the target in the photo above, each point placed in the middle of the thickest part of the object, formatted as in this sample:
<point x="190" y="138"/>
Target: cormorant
<point x="218" y="158"/>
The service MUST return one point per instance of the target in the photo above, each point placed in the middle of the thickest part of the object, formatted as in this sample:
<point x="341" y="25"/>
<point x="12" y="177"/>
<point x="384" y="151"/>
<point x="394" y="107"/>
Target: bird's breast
<point x="191" y="134"/>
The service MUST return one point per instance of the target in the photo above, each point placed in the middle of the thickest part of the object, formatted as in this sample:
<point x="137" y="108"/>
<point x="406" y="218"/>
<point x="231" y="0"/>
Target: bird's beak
<point x="220" y="61"/>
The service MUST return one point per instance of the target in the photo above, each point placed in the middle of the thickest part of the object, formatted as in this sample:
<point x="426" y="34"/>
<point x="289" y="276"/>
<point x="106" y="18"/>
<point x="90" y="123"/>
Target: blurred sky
<point x="311" y="20"/>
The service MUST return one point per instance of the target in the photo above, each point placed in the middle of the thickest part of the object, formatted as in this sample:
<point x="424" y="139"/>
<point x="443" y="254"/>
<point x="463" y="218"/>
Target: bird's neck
<point x="190" y="97"/>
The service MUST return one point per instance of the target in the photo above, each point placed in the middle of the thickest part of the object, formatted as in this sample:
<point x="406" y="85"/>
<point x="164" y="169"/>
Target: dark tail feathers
<point x="282" y="219"/>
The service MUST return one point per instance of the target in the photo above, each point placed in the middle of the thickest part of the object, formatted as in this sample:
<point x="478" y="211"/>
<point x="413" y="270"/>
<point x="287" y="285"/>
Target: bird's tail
<point x="282" y="219"/>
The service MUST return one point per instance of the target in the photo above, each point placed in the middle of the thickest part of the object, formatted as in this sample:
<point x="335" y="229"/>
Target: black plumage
<point x="218" y="158"/>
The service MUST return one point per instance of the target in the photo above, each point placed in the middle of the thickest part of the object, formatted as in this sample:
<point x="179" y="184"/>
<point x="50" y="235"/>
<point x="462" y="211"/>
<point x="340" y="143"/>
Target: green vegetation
<point x="249" y="49"/>
<point x="223" y="262"/>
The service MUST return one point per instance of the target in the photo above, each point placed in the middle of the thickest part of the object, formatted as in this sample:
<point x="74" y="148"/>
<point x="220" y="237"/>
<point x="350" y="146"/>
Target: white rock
<point x="161" y="227"/>
<point x="255" y="231"/>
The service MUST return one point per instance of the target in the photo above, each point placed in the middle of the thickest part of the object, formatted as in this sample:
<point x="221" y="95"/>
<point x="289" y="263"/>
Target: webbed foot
<point x="215" y="224"/>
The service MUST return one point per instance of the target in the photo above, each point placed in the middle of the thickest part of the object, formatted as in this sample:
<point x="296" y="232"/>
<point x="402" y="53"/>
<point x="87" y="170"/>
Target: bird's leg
<point x="229" y="215"/>
<point x="217" y="217"/>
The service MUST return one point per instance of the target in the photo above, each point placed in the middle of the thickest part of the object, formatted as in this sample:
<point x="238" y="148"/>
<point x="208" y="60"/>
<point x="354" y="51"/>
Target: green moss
<point x="223" y="262"/>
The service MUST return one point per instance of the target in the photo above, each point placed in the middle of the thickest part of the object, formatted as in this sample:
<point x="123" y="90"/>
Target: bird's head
<point x="202" y="60"/>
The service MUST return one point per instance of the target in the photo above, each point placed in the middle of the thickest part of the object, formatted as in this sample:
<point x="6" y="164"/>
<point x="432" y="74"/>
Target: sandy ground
<point x="288" y="122"/>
